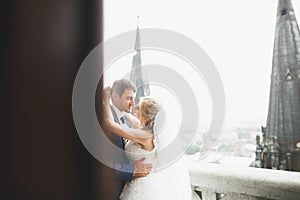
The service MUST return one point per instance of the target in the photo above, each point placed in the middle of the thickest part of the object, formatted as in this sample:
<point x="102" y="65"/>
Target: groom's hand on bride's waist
<point x="141" y="169"/>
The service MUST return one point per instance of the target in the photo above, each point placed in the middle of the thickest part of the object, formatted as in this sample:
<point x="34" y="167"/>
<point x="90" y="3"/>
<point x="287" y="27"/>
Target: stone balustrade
<point x="216" y="181"/>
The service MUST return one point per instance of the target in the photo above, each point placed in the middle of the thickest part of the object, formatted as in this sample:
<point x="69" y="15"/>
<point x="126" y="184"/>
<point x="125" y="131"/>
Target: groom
<point x="122" y="95"/>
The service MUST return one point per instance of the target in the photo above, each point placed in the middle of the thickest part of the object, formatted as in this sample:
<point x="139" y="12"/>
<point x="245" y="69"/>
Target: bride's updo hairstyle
<point x="149" y="109"/>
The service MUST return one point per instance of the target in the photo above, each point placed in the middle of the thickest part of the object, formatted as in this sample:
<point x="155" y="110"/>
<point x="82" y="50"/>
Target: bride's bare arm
<point x="133" y="120"/>
<point x="136" y="135"/>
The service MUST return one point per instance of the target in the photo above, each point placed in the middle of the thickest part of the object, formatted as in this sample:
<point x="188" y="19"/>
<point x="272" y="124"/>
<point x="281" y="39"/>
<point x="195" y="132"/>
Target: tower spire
<point x="137" y="75"/>
<point x="283" y="120"/>
<point x="137" y="45"/>
<point x="284" y="7"/>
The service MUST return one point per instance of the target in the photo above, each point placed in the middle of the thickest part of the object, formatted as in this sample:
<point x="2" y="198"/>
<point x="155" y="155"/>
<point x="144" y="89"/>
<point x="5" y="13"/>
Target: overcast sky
<point x="238" y="36"/>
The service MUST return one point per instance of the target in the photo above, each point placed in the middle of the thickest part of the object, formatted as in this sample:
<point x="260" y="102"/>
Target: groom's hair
<point x="119" y="86"/>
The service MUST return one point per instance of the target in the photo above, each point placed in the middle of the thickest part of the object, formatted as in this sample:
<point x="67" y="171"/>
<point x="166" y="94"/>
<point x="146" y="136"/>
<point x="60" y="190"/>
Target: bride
<point x="143" y="143"/>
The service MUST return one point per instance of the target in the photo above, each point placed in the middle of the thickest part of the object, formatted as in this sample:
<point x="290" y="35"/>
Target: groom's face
<point x="125" y="101"/>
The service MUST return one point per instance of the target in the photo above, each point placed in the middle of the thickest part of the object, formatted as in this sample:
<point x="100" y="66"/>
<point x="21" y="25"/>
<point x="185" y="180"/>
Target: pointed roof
<point x="289" y="76"/>
<point x="137" y="38"/>
<point x="137" y="75"/>
<point x="284" y="100"/>
<point x="284" y="6"/>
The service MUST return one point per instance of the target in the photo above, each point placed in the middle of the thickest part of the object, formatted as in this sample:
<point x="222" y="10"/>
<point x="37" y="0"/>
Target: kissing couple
<point x="135" y="175"/>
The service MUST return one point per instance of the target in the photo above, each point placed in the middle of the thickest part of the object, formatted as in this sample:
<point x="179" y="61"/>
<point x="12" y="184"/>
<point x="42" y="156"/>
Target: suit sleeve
<point x="124" y="171"/>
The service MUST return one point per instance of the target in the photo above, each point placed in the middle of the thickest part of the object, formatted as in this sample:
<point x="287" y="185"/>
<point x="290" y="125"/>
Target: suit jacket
<point x="124" y="172"/>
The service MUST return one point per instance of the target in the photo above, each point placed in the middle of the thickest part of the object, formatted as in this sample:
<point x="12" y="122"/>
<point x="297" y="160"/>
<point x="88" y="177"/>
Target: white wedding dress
<point x="169" y="183"/>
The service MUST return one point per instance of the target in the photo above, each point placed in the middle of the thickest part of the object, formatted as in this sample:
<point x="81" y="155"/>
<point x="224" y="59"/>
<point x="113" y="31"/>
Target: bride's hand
<point x="106" y="94"/>
<point x="107" y="116"/>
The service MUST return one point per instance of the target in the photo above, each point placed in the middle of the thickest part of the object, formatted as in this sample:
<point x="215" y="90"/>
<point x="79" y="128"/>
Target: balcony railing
<point x="215" y="181"/>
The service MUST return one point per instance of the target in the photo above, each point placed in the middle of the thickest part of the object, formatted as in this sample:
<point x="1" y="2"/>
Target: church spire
<point x="137" y="75"/>
<point x="283" y="120"/>
<point x="284" y="7"/>
<point x="137" y="38"/>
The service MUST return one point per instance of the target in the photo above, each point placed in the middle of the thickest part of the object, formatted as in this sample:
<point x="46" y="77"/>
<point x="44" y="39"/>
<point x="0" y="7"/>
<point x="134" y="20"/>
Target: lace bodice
<point x="158" y="185"/>
<point x="135" y="152"/>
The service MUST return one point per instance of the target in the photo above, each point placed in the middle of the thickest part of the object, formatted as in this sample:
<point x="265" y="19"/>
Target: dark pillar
<point x="44" y="44"/>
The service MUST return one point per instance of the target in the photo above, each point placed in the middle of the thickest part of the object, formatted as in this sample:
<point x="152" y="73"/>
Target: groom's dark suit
<point x="124" y="172"/>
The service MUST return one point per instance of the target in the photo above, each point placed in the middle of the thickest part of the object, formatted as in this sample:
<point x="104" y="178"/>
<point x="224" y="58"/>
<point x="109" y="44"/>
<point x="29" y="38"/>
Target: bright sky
<point x="238" y="35"/>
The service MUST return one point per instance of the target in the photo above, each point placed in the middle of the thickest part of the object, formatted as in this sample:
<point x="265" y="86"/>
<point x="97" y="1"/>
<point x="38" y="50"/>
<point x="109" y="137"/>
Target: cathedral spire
<point x="137" y="75"/>
<point x="137" y="38"/>
<point x="284" y="101"/>
<point x="284" y="7"/>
